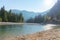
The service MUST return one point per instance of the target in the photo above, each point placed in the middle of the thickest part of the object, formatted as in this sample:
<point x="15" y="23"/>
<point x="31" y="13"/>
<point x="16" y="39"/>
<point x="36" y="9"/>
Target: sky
<point x="29" y="5"/>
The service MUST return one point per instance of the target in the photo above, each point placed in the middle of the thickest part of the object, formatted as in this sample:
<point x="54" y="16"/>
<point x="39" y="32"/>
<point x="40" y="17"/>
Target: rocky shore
<point x="52" y="34"/>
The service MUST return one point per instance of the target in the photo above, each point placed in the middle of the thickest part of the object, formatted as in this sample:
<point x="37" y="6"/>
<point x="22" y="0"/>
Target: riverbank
<point x="14" y="23"/>
<point x="52" y="34"/>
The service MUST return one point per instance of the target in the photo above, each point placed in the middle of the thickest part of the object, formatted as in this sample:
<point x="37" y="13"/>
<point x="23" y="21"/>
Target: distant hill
<point x="27" y="15"/>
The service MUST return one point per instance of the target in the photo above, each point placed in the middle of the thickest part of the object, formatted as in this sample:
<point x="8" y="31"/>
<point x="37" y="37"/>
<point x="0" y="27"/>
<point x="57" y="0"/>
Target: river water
<point x="21" y="29"/>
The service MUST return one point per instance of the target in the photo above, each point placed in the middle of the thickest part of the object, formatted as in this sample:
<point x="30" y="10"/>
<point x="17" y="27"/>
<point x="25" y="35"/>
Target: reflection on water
<point x="15" y="30"/>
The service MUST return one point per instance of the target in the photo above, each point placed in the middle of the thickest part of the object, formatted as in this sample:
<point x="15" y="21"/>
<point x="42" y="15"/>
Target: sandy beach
<point x="8" y="23"/>
<point x="14" y="23"/>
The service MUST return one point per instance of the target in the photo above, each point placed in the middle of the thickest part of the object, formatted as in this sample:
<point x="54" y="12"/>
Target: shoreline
<point x="14" y="23"/>
<point x="52" y="34"/>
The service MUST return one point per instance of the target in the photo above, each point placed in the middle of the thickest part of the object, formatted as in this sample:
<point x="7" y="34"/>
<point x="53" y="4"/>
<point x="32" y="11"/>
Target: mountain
<point x="26" y="14"/>
<point x="55" y="10"/>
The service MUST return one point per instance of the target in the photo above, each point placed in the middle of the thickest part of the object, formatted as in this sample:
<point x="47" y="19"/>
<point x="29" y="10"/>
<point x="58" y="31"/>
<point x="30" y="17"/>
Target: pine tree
<point x="21" y="19"/>
<point x="6" y="16"/>
<point x="3" y="14"/>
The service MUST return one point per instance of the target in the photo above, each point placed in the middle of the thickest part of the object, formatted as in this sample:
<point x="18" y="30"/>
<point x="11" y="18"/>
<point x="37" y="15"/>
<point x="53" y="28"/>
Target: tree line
<point x="37" y="19"/>
<point x="8" y="16"/>
<point x="45" y="19"/>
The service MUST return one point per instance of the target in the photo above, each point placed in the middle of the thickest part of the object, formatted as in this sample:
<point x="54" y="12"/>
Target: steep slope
<point x="55" y="10"/>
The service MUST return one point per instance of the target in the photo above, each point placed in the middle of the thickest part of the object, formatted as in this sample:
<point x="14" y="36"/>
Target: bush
<point x="0" y="19"/>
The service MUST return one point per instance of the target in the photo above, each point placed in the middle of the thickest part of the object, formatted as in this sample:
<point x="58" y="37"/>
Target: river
<point x="21" y="29"/>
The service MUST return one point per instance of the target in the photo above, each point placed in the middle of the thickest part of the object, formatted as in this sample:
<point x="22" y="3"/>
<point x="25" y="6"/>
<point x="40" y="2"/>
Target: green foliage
<point x="8" y="16"/>
<point x="21" y="18"/>
<point x="37" y="19"/>
<point x="0" y="19"/>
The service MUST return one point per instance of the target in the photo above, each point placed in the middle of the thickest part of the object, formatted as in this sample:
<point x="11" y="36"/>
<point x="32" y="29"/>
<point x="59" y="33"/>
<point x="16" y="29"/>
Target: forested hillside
<point x="53" y="16"/>
<point x="55" y="11"/>
<point x="8" y="16"/>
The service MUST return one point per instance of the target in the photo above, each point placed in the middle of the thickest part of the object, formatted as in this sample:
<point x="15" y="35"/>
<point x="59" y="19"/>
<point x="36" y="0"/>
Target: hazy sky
<point x="29" y="5"/>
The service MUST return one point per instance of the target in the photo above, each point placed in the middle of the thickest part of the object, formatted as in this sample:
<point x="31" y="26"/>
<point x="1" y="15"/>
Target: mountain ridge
<point x="28" y="14"/>
<point x="55" y="10"/>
